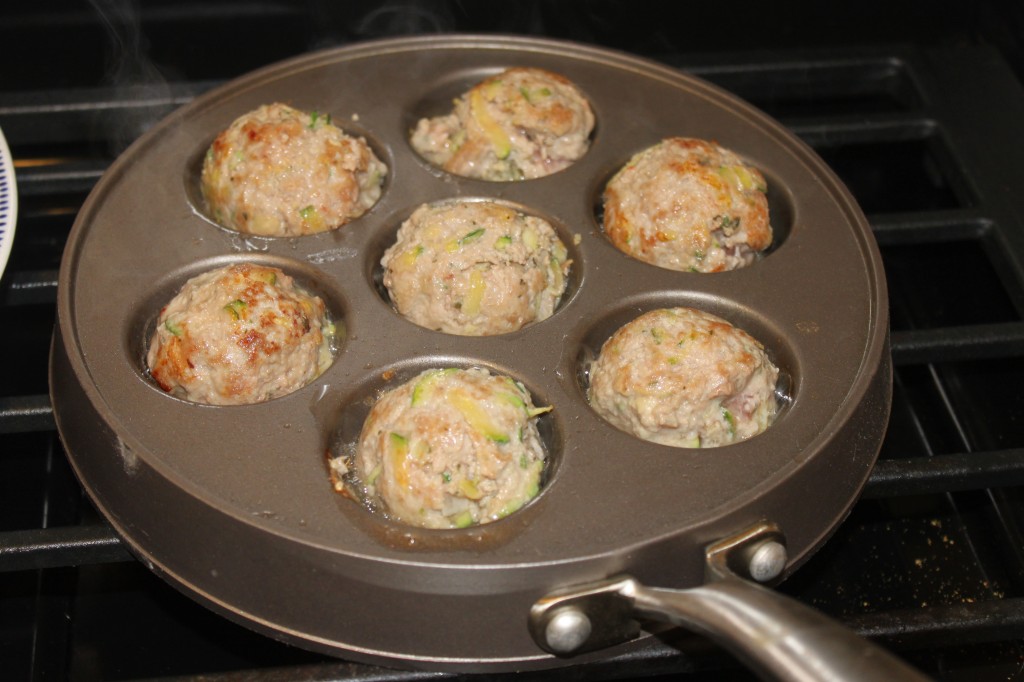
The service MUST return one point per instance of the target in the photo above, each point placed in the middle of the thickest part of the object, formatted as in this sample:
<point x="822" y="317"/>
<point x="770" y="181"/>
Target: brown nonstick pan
<point x="235" y="506"/>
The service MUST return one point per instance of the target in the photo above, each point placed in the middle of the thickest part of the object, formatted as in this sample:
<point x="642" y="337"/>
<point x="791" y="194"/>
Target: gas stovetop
<point x="930" y="562"/>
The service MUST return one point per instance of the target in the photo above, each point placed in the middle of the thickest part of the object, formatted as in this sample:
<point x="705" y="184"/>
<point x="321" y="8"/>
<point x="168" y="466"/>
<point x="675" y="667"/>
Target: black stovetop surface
<point x="917" y="109"/>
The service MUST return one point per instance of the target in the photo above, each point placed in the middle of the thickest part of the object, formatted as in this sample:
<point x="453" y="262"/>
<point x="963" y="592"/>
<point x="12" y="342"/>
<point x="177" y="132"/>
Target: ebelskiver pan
<point x="233" y="505"/>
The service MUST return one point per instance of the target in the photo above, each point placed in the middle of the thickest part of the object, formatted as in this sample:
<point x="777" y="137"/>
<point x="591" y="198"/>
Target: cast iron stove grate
<point x="930" y="562"/>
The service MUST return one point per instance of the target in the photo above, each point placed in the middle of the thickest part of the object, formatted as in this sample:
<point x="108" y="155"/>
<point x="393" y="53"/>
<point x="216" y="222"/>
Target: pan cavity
<point x="686" y="373"/>
<point x="475" y="267"/>
<point x="230" y="331"/>
<point x="439" y="444"/>
<point x="506" y="125"/>
<point x="689" y="205"/>
<point x="277" y="171"/>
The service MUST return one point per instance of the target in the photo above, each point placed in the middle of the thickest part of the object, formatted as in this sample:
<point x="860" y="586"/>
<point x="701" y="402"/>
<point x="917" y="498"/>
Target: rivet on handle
<point x="567" y="630"/>
<point x="767" y="561"/>
<point x="757" y="553"/>
<point x="585" y="617"/>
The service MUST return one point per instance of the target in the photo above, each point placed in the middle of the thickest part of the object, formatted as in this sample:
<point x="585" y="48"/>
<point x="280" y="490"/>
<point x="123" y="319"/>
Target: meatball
<point x="684" y="378"/>
<point x="451" y="448"/>
<point x="687" y="204"/>
<point x="240" y="334"/>
<point x="475" y="268"/>
<point x="277" y="171"/>
<point x="522" y="123"/>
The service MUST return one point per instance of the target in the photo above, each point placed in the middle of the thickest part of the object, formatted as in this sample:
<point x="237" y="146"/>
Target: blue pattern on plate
<point x="8" y="202"/>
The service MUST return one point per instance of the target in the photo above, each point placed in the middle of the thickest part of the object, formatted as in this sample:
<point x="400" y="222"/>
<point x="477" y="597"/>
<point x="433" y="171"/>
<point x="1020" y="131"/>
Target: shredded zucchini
<point x="463" y="520"/>
<point x="730" y="420"/>
<point x="472" y="236"/>
<point x="236" y="308"/>
<point x="497" y="136"/>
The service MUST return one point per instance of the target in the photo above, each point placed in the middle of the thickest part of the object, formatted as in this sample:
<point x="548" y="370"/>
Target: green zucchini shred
<point x="316" y="118"/>
<point x="730" y="420"/>
<point x="534" y="411"/>
<point x="514" y="399"/>
<point x="472" y="236"/>
<point x="235" y="308"/>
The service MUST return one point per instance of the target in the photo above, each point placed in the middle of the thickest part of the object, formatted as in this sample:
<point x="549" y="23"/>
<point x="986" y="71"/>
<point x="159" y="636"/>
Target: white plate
<point x="8" y="202"/>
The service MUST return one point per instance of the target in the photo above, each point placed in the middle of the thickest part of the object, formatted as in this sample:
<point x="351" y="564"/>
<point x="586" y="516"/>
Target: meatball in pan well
<point x="278" y="172"/>
<point x="475" y="268"/>
<point x="240" y="334"/>
<point x="685" y="378"/>
<point x="522" y="123"/>
<point x="688" y="204"/>
<point x="449" y="449"/>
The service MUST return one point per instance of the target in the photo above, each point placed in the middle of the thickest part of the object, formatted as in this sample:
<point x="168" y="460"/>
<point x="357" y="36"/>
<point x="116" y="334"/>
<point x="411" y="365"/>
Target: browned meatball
<point x="449" y="449"/>
<point x="686" y="378"/>
<point x="687" y="204"/>
<point x="523" y="123"/>
<point x="475" y="268"/>
<point x="240" y="334"/>
<point x="277" y="171"/>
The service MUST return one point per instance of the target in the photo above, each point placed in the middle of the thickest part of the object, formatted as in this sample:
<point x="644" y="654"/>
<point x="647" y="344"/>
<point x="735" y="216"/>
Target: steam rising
<point x="403" y="18"/>
<point x="140" y="95"/>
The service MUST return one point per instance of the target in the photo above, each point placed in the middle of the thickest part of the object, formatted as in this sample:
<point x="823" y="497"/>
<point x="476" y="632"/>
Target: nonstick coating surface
<point x="233" y="504"/>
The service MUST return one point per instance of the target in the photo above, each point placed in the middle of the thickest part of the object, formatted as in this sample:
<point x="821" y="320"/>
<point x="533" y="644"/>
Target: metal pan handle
<point x="778" y="637"/>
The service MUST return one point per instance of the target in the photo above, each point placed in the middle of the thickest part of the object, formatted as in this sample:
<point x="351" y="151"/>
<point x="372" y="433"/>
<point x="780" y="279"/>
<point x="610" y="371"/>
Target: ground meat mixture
<point x="449" y="449"/>
<point x="685" y="378"/>
<point x="475" y="268"/>
<point x="687" y="204"/>
<point x="522" y="123"/>
<point x="240" y="334"/>
<point x="277" y="171"/>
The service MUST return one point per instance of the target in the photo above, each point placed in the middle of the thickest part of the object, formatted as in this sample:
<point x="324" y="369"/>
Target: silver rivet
<point x="768" y="561"/>
<point x="567" y="630"/>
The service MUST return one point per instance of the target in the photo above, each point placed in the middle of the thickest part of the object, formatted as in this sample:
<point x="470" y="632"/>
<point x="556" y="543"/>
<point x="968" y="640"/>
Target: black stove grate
<point x="930" y="561"/>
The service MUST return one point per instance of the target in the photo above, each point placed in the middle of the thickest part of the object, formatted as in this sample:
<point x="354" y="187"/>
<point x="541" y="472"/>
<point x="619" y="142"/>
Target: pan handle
<point x="778" y="637"/>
